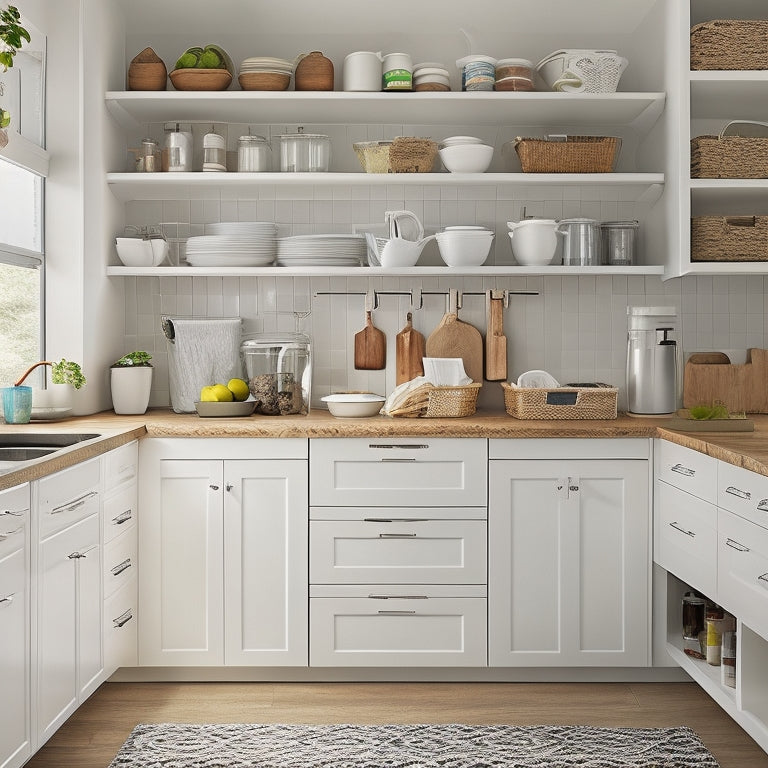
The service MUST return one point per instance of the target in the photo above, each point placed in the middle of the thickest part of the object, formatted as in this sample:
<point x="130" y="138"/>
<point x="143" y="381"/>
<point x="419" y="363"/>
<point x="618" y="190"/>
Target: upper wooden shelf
<point x="636" y="110"/>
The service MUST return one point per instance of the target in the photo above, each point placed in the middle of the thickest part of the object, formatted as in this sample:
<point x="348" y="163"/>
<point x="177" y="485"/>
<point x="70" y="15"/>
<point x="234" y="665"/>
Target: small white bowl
<point x="136" y="252"/>
<point x="466" y="158"/>
<point x="461" y="249"/>
<point x="354" y="405"/>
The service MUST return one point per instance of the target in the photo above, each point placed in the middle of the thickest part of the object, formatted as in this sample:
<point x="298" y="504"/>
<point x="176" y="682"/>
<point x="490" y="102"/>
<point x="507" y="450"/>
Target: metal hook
<point x="417" y="299"/>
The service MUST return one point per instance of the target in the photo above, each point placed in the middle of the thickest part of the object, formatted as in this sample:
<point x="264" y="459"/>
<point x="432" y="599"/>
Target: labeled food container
<point x="304" y="152"/>
<point x="278" y="369"/>
<point x="618" y="242"/>
<point x="253" y="154"/>
<point x="478" y="73"/>
<point x="396" y="72"/>
<point x="514" y="75"/>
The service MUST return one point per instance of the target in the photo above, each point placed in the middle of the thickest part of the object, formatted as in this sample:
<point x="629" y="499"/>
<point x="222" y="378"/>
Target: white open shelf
<point x="729" y="95"/>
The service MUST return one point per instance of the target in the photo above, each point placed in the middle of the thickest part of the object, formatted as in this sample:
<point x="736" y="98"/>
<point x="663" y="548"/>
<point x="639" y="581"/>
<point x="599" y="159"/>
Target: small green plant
<point x="63" y="372"/>
<point x="12" y="37"/>
<point x="138" y="358"/>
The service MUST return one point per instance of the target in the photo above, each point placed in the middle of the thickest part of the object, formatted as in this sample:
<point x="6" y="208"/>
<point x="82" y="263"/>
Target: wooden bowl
<point x="264" y="81"/>
<point x="147" y="77"/>
<point x="200" y="79"/>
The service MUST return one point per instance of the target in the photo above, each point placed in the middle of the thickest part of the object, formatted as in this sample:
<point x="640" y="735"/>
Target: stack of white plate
<point x="321" y="250"/>
<point x="266" y="64"/>
<point x="234" y="244"/>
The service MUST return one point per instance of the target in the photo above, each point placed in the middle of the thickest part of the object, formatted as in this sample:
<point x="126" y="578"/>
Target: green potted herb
<point x="131" y="382"/>
<point x="54" y="401"/>
<point x="12" y="37"/>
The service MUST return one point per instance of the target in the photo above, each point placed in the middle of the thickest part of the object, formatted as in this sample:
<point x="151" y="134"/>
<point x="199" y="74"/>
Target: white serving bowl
<point x="135" y="252"/>
<point x="464" y="249"/>
<point x="354" y="405"/>
<point x="535" y="242"/>
<point x="466" y="158"/>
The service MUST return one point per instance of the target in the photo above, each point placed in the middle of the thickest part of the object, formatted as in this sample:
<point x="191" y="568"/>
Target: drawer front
<point x="397" y="632"/>
<point x="743" y="570"/>
<point x="743" y="492"/>
<point x="398" y="472"/>
<point x="14" y="518"/>
<point x="68" y="496"/>
<point x="119" y="511"/>
<point x="688" y="470"/>
<point x="685" y="538"/>
<point x="120" y="561"/>
<point x="397" y="551"/>
<point x="121" y="465"/>
<point x="120" y="628"/>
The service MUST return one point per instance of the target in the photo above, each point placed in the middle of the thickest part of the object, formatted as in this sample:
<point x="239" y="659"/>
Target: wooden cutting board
<point x="410" y="348"/>
<point x="742" y="388"/>
<point x="370" y="347"/>
<point x="495" y="340"/>
<point x="455" y="338"/>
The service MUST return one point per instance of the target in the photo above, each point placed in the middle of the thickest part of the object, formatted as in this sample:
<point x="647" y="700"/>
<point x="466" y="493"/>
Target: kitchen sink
<point x="24" y="446"/>
<point x="24" y="454"/>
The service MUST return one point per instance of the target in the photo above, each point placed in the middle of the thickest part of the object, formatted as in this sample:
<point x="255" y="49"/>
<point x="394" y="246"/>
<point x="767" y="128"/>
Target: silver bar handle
<point x="395" y="519"/>
<point x="677" y="527"/>
<point x="78" y="555"/>
<point x="120" y="567"/>
<point x="397" y="535"/>
<point x="398" y="461"/>
<point x="734" y="491"/>
<point x="74" y="504"/>
<point x="123" y="517"/>
<point x="764" y="579"/>
<point x="8" y="599"/>
<point x="763" y="505"/>
<point x="681" y="470"/>
<point x="396" y="613"/>
<point x="122" y="619"/>
<point x="735" y="545"/>
<point x="14" y="512"/>
<point x="7" y="534"/>
<point x="397" y="597"/>
<point x="402" y="446"/>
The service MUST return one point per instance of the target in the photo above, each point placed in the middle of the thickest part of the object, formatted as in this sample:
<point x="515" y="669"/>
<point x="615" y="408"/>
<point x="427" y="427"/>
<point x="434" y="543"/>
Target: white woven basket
<point x="582" y="71"/>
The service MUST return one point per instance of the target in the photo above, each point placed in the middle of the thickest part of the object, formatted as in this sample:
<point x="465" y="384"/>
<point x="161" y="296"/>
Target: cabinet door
<point x="68" y="622"/>
<point x="14" y="659"/>
<point x="181" y="591"/>
<point x="265" y="562"/>
<point x="568" y="563"/>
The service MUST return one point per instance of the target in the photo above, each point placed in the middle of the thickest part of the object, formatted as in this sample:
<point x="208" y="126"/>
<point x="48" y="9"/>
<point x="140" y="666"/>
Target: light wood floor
<point x="95" y="732"/>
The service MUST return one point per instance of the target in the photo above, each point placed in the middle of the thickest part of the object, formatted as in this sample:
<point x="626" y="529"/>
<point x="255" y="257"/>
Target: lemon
<point x="221" y="393"/>
<point x="207" y="395"/>
<point x="239" y="388"/>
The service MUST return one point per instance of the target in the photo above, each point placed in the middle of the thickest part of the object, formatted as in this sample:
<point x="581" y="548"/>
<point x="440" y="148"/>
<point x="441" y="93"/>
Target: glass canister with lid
<point x="253" y="154"/>
<point x="278" y="368"/>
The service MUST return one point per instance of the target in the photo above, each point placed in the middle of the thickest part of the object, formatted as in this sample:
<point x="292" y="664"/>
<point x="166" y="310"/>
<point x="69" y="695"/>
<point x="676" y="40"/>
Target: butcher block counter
<point x="744" y="449"/>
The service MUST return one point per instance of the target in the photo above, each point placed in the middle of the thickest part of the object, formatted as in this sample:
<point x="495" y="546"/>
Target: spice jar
<point x="147" y="156"/>
<point x="694" y="609"/>
<point x="177" y="150"/>
<point x="253" y="153"/>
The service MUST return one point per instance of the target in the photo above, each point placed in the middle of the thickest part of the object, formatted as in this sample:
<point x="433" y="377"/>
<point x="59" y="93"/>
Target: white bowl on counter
<point x="353" y="405"/>
<point x="466" y="158"/>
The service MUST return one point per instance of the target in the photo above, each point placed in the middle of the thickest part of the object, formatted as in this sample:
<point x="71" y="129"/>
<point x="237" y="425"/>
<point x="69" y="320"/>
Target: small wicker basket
<point x="729" y="238"/>
<point x="561" y="403"/>
<point x="729" y="157"/>
<point x="429" y="401"/>
<point x="409" y="154"/>
<point x="577" y="154"/>
<point x="730" y="44"/>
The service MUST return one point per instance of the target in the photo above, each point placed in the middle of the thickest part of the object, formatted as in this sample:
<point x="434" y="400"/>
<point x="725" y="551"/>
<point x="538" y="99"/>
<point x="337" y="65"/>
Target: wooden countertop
<point x="744" y="449"/>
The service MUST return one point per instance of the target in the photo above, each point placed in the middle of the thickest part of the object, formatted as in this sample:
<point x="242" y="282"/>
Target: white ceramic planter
<point x="131" y="386"/>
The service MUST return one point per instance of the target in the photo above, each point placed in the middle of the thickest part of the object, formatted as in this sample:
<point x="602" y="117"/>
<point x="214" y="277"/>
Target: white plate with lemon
<point x="226" y="400"/>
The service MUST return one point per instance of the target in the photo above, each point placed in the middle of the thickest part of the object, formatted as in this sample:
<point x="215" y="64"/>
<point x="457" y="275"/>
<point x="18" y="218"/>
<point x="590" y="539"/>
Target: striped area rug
<point x="409" y="746"/>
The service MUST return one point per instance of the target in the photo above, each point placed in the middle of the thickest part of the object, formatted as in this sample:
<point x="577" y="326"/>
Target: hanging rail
<point x="417" y="296"/>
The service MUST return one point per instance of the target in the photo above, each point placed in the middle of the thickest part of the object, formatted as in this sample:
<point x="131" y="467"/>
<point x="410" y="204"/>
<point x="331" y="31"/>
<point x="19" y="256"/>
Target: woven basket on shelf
<point x="729" y="238"/>
<point x="729" y="157"/>
<point x="577" y="154"/>
<point x="730" y="44"/>
<point x="561" y="403"/>
<point x="409" y="154"/>
<point x="429" y="401"/>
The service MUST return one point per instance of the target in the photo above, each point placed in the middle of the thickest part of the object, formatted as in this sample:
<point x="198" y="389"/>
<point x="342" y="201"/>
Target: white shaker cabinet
<point x="223" y="551"/>
<point x="568" y="549"/>
<point x="15" y="730"/>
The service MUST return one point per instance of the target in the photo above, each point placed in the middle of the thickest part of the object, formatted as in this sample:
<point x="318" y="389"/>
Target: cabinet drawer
<point x="743" y="570"/>
<point x="121" y="465"/>
<point x="120" y="628"/>
<point x="120" y="561"/>
<point x="685" y="538"/>
<point x="397" y="551"/>
<point x="14" y="518"/>
<point x="688" y="470"/>
<point x="119" y="511"/>
<point x="68" y="496"/>
<point x="423" y="630"/>
<point x="743" y="492"/>
<point x="398" y="472"/>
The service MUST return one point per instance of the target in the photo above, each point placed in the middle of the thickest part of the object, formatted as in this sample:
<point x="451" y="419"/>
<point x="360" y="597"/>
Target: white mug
<point x="362" y="71"/>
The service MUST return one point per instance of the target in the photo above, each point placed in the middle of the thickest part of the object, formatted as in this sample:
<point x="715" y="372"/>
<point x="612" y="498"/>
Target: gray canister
<point x="619" y="242"/>
<point x="581" y="243"/>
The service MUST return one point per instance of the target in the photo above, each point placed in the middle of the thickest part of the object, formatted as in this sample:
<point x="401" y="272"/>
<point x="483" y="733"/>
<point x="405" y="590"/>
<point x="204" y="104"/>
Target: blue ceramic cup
<point x="17" y="404"/>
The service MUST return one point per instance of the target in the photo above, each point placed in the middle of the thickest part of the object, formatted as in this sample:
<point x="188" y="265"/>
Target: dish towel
<point x="201" y="351"/>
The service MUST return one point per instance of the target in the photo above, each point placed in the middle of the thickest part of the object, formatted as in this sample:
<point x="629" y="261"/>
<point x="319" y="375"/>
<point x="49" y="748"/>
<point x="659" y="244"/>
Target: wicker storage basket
<point x="429" y="401"/>
<point x="577" y="154"/>
<point x="729" y="238"/>
<point x="730" y="44"/>
<point x="729" y="157"/>
<point x="561" y="403"/>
